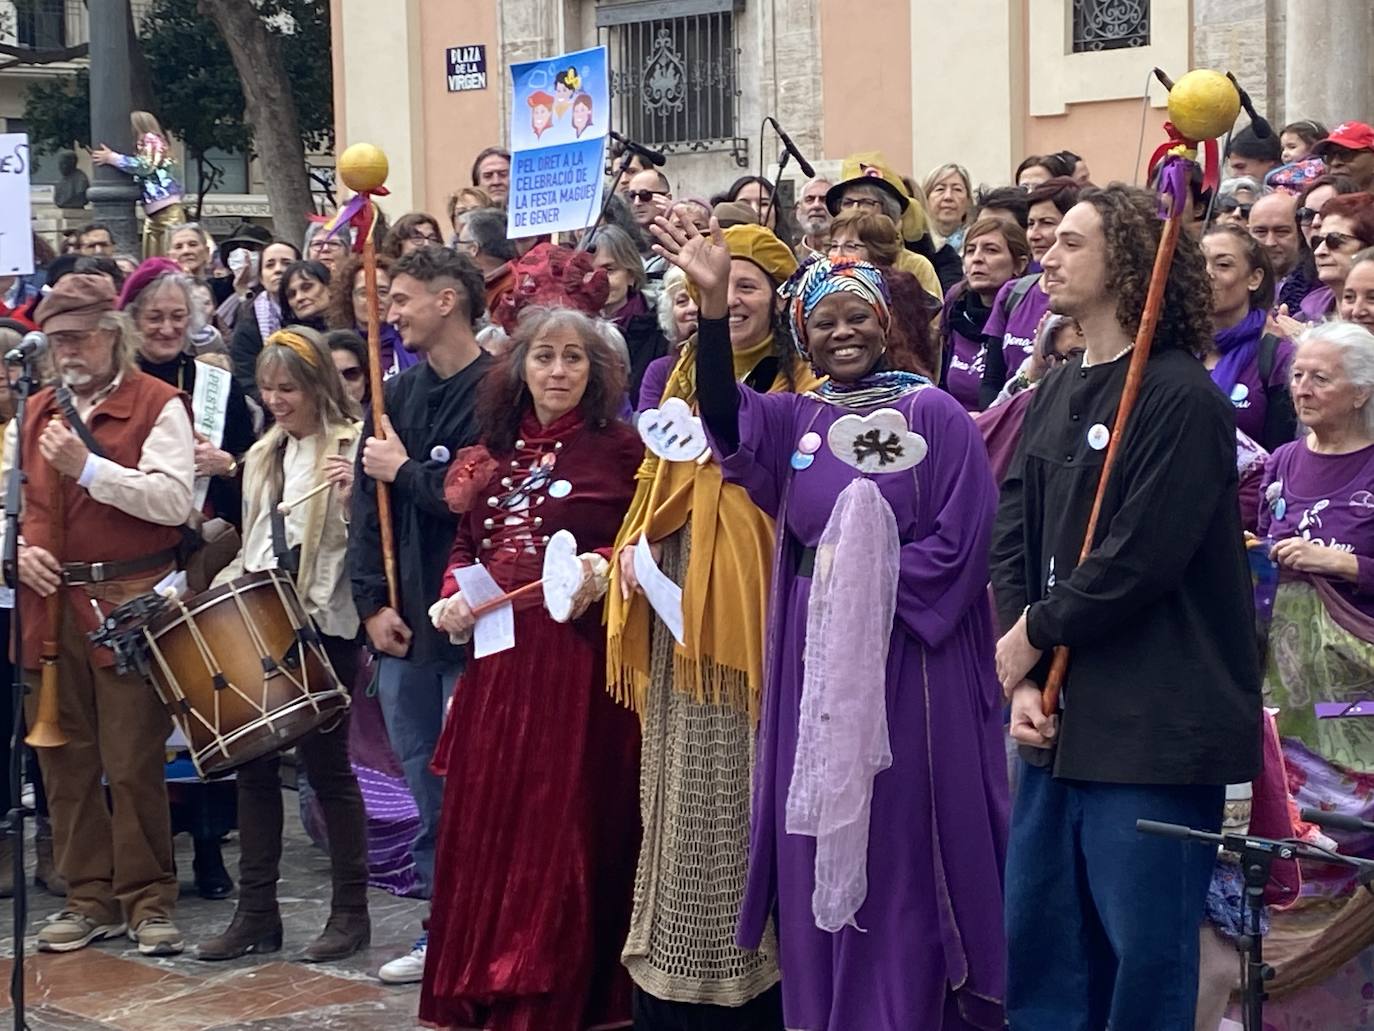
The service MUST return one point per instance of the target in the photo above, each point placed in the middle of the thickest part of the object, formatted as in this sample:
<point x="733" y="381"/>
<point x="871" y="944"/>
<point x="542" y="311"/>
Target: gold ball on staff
<point x="1203" y="104"/>
<point x="363" y="167"/>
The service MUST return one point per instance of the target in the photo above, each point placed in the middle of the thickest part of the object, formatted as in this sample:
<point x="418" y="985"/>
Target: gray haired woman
<point x="627" y="307"/>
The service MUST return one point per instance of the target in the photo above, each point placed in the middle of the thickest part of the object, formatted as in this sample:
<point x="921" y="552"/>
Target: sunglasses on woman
<point x="1333" y="241"/>
<point x="353" y="374"/>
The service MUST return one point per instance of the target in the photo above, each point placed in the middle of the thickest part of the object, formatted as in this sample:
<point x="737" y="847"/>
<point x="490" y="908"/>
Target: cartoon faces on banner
<point x="563" y="99"/>
<point x="558" y="139"/>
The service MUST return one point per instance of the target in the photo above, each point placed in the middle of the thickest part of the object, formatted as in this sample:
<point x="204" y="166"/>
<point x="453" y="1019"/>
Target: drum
<point x="241" y="670"/>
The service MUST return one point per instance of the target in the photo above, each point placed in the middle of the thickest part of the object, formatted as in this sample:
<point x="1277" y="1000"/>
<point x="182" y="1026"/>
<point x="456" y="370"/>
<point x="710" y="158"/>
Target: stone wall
<point x="778" y="73"/>
<point x="1246" y="38"/>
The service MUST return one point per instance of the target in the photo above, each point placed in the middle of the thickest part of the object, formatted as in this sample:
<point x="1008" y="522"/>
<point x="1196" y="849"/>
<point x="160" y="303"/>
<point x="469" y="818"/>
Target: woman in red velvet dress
<point x="540" y="824"/>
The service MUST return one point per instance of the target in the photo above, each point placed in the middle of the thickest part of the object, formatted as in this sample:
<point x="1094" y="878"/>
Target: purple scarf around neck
<point x="1237" y="346"/>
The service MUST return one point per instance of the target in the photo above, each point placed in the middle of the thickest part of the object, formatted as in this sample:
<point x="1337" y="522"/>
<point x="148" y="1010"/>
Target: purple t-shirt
<point x="1017" y="330"/>
<point x="965" y="375"/>
<point x="1316" y="305"/>
<point x="1248" y="395"/>
<point x="1328" y="499"/>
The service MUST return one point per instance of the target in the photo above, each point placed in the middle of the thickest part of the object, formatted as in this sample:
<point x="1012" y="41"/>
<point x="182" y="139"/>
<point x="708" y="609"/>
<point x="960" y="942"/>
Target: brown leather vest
<point x="93" y="532"/>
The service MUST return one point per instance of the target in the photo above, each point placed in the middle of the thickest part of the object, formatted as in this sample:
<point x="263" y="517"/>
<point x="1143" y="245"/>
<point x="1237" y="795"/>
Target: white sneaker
<point x="407" y="969"/>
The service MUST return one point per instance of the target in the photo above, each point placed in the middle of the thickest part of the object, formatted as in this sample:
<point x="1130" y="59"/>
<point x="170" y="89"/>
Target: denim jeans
<point x="1102" y="920"/>
<point x="413" y="697"/>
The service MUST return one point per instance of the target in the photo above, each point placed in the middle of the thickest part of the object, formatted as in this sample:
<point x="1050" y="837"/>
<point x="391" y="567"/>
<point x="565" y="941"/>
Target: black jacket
<point x="1164" y="680"/>
<point x="225" y="495"/>
<point x="645" y="341"/>
<point x="435" y="418"/>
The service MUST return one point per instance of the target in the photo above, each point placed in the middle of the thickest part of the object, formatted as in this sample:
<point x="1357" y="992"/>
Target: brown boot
<point x="247" y="932"/>
<point x="346" y="933"/>
<point x="45" y="873"/>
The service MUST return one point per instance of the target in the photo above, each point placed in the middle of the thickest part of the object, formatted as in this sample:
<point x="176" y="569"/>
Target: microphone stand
<point x="622" y="167"/>
<point x="18" y="812"/>
<point x="1257" y="857"/>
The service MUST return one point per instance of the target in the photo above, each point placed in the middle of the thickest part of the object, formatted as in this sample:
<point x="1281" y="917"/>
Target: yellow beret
<point x="758" y="244"/>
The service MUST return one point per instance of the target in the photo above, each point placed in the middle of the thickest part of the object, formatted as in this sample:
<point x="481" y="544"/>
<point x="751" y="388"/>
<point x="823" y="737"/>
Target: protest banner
<point x="558" y="141"/>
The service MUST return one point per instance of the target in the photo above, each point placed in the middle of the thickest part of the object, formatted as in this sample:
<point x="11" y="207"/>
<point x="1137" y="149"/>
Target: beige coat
<point x="322" y="583"/>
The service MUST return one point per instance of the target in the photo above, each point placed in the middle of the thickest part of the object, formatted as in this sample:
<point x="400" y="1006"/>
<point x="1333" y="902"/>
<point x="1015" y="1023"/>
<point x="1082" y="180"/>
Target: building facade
<point x="984" y="82"/>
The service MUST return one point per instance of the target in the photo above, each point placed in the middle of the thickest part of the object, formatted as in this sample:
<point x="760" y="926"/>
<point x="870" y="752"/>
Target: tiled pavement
<point x="110" y="986"/>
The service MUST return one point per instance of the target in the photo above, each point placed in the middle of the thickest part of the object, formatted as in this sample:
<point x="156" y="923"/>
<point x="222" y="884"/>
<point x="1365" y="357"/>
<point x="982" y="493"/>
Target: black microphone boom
<point x="654" y="157"/>
<point x="802" y="163"/>
<point x="33" y="344"/>
<point x="1336" y="821"/>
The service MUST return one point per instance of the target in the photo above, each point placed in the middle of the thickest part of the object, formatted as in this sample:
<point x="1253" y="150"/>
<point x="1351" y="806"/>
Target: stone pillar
<point x="112" y="193"/>
<point x="1329" y="55"/>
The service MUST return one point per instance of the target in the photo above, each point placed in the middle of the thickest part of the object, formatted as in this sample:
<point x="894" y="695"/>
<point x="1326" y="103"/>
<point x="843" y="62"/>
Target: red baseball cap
<point x="1350" y="135"/>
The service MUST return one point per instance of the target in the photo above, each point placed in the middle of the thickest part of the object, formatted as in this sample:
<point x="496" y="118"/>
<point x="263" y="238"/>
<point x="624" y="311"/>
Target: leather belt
<point x="74" y="573"/>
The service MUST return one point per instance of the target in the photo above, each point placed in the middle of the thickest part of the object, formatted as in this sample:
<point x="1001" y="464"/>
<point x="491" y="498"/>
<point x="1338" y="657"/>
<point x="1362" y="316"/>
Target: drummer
<point x="313" y="441"/>
<point x="122" y="502"/>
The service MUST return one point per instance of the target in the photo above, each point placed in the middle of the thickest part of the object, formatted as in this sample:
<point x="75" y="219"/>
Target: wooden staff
<point x="46" y="731"/>
<point x="374" y="375"/>
<point x="1144" y="340"/>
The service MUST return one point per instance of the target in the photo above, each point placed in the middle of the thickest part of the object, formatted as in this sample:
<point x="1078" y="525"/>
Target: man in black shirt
<point x="1161" y="703"/>
<point x="436" y="300"/>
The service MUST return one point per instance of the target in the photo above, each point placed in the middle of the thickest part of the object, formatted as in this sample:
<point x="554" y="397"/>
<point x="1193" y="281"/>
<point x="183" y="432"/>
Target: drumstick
<point x="495" y="603"/>
<point x="285" y="507"/>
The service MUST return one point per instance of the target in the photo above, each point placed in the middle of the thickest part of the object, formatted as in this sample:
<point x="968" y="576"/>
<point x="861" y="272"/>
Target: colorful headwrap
<point x="821" y="277"/>
<point x="297" y="343"/>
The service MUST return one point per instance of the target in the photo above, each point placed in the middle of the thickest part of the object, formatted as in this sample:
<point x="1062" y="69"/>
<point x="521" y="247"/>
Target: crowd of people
<point x="821" y="476"/>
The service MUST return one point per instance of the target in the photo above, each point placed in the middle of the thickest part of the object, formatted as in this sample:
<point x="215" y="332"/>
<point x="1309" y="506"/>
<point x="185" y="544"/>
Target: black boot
<point x="212" y="879"/>
<point x="346" y="932"/>
<point x="247" y="932"/>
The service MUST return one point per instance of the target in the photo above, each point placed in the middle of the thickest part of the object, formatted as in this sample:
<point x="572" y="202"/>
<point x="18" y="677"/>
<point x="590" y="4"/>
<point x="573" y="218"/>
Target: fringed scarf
<point x="721" y="659"/>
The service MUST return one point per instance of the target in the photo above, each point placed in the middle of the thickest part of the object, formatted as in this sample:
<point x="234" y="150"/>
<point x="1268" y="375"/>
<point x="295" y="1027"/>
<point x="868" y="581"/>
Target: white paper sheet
<point x="664" y="596"/>
<point x="495" y="630"/>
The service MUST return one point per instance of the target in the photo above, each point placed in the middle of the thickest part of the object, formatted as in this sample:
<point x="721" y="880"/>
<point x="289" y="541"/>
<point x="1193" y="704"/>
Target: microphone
<point x="1168" y="830"/>
<point x="654" y="157"/>
<point x="802" y="163"/>
<point x="33" y="344"/>
<point x="1263" y="130"/>
<point x="1336" y="821"/>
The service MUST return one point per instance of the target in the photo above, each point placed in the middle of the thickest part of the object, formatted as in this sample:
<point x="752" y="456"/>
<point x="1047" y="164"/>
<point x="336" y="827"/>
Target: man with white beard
<point x="814" y="218"/>
<point x="101" y="518"/>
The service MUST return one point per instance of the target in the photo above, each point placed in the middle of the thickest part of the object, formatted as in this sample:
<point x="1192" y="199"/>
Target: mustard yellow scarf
<point x="730" y="564"/>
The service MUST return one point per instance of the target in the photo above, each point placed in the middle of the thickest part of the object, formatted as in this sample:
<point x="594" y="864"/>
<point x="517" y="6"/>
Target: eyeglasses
<point x="1333" y="241"/>
<point x="1307" y="215"/>
<point x="354" y="374"/>
<point x="383" y="293"/>
<point x="851" y="248"/>
<point x="1227" y="205"/>
<point x="867" y="203"/>
<point x="645" y="196"/>
<point x="417" y="235"/>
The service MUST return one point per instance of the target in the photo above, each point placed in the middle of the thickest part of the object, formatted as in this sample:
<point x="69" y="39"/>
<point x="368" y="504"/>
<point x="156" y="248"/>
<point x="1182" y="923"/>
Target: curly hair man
<point x="1162" y="699"/>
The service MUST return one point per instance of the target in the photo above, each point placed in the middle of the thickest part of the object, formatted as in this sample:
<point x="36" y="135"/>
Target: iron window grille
<point x="674" y="70"/>
<point x="1110" y="25"/>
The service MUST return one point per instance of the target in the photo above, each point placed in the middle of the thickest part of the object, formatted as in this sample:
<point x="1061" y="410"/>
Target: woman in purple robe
<point x="880" y="796"/>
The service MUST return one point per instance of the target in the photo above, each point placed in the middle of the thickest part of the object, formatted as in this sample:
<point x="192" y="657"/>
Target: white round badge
<point x="439" y="453"/>
<point x="1239" y="393"/>
<point x="1098" y="436"/>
